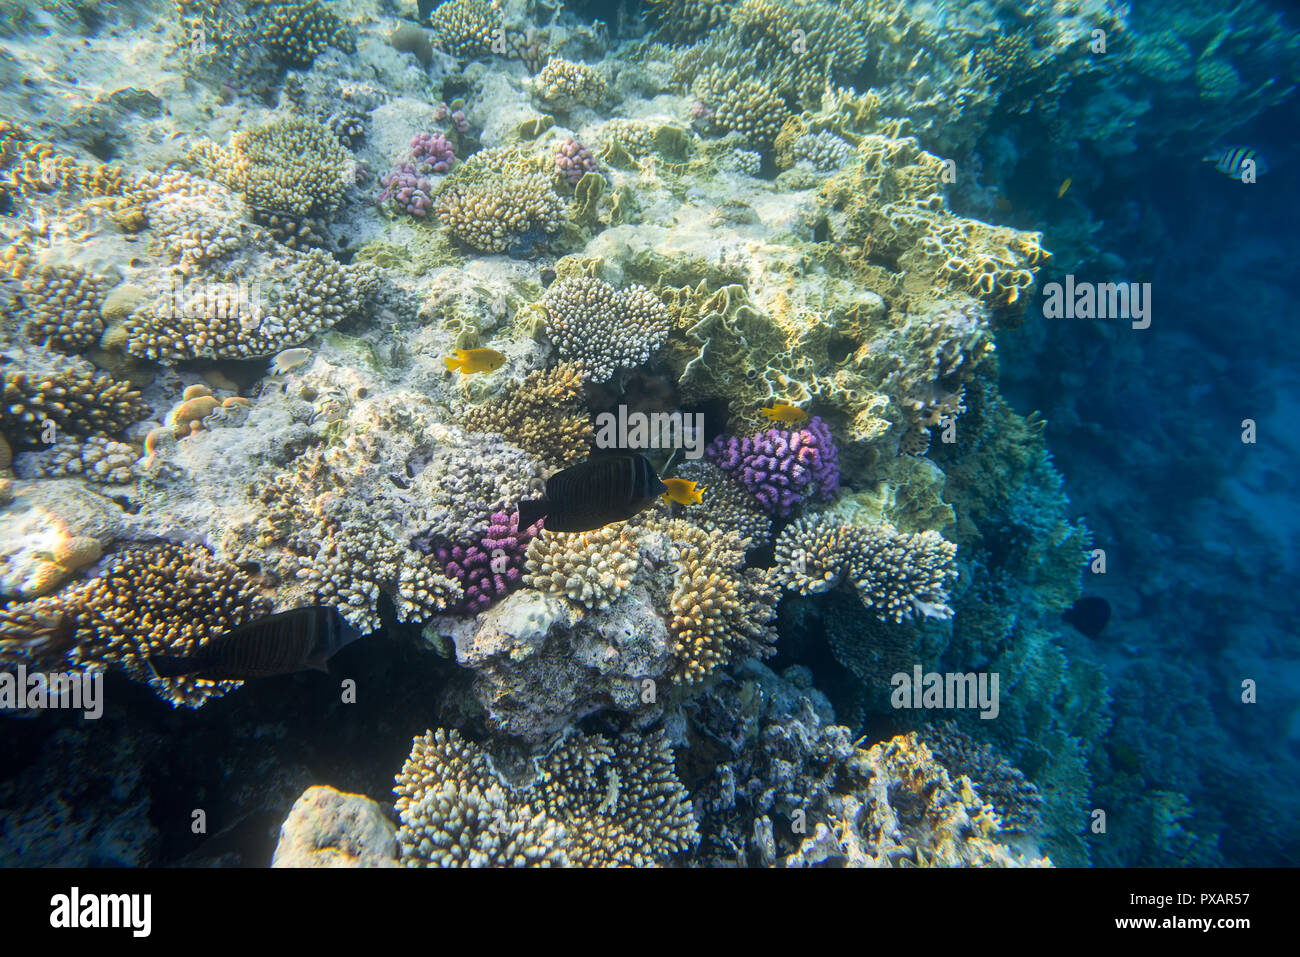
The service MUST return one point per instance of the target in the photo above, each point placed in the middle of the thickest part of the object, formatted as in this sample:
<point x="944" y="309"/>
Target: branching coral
<point x="544" y="414"/>
<point x="591" y="569"/>
<point x="495" y="198"/>
<point x="297" y="297"/>
<point x="466" y="27"/>
<point x="565" y="84"/>
<point x="296" y="31"/>
<point x="163" y="599"/>
<point x="779" y="467"/>
<point x="589" y="803"/>
<point x="897" y="576"/>
<point x="63" y="396"/>
<point x="604" y="329"/>
<point x="292" y="173"/>
<point x="719" y="608"/>
<point x="1017" y="802"/>
<point x="63" y="303"/>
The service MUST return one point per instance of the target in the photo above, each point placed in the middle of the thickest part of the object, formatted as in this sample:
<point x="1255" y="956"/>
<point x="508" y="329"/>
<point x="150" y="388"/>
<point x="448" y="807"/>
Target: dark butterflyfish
<point x="605" y="489"/>
<point x="1088" y="615"/>
<point x="278" y="644"/>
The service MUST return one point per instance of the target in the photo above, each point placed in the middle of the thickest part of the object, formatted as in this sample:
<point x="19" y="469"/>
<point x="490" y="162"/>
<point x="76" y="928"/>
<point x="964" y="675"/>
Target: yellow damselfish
<point x="469" y="361"/>
<point x="683" y="492"/>
<point x="785" y="412"/>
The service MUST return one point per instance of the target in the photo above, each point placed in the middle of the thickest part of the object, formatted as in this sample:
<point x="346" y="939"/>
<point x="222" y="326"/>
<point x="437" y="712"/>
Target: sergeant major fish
<point x="594" y="494"/>
<point x="1232" y="160"/>
<point x="278" y="644"/>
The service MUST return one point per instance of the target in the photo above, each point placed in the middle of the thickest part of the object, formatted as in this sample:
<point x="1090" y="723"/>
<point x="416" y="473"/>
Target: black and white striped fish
<point x="278" y="644"/>
<point x="1231" y="160"/>
<point x="592" y="494"/>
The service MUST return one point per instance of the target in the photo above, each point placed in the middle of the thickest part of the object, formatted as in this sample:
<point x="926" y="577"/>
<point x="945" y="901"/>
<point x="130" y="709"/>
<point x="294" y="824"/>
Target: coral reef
<point x="565" y="84"/>
<point x="63" y="303"/>
<point x="490" y="568"/>
<point x="296" y="31"/>
<point x="588" y="802"/>
<point x="54" y="396"/>
<point x="466" y="28"/>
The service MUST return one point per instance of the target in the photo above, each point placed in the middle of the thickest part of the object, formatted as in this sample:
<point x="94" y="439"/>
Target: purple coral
<point x="433" y="152"/>
<point x="779" y="466"/>
<point x="407" y="188"/>
<point x="458" y="118"/>
<point x="573" y="160"/>
<point x="490" y="569"/>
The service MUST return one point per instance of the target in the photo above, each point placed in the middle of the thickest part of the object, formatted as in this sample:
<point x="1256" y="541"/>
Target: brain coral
<point x="589" y="803"/>
<point x="604" y="329"/>
<point x="897" y="576"/>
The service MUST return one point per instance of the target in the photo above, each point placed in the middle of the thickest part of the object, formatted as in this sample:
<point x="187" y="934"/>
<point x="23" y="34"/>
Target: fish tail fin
<point x="532" y="511"/>
<point x="170" y="666"/>
<point x="456" y="361"/>
<point x="697" y="495"/>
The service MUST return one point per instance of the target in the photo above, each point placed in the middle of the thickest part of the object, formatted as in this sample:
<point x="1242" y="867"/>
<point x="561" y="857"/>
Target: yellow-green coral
<point x="544" y="415"/>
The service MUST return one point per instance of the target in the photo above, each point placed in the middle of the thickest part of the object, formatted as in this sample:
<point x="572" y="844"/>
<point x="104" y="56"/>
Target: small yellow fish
<point x="469" y="361"/>
<point x="1064" y="188"/>
<point x="683" y="492"/>
<point x="785" y="412"/>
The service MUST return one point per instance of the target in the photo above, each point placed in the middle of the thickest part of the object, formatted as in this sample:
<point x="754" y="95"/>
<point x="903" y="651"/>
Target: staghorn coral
<point x="296" y="31"/>
<point x="543" y="414"/>
<point x="897" y="576"/>
<point x="466" y="28"/>
<point x="592" y="569"/>
<point x="601" y="328"/>
<point x="494" y="198"/>
<point x="719" y="609"/>
<point x="780" y="467"/>
<point x="1017" y="802"/>
<point x="296" y="297"/>
<point x="63" y="304"/>
<point x="588" y="803"/>
<point x="565" y="84"/>
<point x="53" y="396"/>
